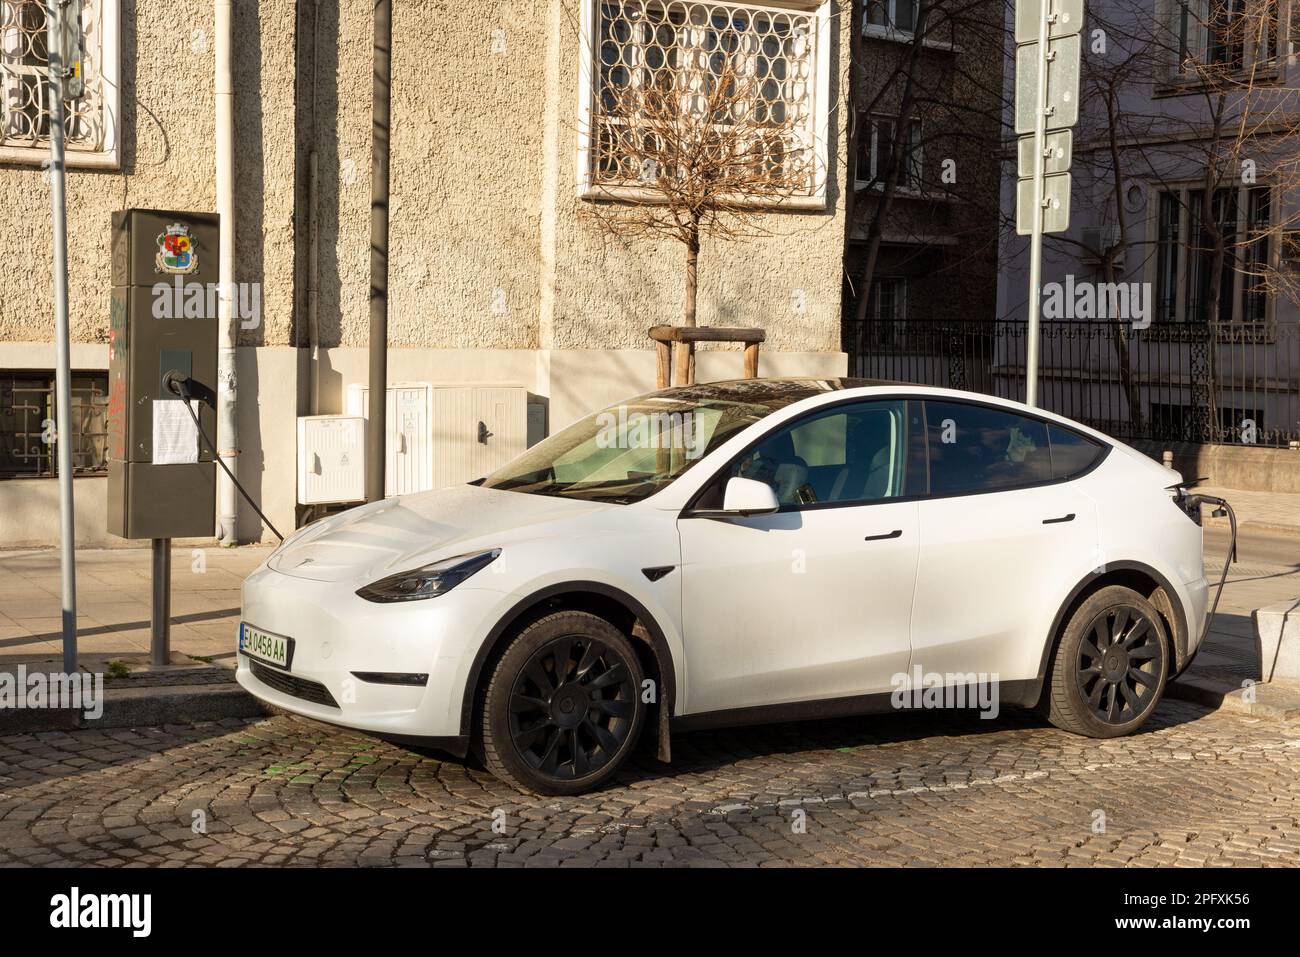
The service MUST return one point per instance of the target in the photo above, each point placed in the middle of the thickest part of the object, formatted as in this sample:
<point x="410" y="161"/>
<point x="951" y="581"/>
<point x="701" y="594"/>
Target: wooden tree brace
<point x="684" y="338"/>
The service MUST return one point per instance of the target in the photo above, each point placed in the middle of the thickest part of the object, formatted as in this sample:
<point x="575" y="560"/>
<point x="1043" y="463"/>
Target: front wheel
<point x="1111" y="665"/>
<point x="563" y="705"/>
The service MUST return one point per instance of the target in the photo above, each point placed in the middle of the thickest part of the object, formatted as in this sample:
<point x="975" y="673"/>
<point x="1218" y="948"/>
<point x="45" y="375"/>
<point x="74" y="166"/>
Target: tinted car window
<point x="1072" y="453"/>
<point x="974" y="448"/>
<point x="850" y="453"/>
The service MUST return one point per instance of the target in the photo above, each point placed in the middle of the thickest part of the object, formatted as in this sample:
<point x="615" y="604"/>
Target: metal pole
<point x="160" y="619"/>
<point x="1036" y="236"/>
<point x="227" y="437"/>
<point x="377" y="428"/>
<point x="63" y="374"/>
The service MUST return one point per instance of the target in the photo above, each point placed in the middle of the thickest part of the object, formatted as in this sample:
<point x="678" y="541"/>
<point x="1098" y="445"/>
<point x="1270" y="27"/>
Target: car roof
<point x="773" y="392"/>
<point x="778" y="393"/>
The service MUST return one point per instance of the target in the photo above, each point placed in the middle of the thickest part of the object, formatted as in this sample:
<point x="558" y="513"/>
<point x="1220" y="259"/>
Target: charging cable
<point x="179" y="385"/>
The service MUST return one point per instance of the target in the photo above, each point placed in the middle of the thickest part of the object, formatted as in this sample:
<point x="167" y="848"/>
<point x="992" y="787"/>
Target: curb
<point x="1273" y="702"/>
<point x="139" y="707"/>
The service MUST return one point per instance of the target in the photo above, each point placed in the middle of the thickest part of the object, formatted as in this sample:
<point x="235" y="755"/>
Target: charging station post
<point x="160" y="618"/>
<point x="162" y="389"/>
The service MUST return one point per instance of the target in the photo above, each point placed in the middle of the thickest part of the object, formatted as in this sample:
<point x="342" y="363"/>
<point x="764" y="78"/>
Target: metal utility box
<point x="163" y="317"/>
<point x="441" y="435"/>
<point x="331" y="459"/>
<point x="409" y="445"/>
<point x="476" y="430"/>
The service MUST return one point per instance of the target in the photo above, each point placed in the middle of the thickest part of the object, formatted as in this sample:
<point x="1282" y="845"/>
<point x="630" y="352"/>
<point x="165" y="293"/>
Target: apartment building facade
<point x="937" y="253"/>
<point x="1170" y="309"/>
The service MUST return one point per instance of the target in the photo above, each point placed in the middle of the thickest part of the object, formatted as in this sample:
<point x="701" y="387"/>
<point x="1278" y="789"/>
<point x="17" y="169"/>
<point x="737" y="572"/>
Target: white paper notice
<point x="175" y="437"/>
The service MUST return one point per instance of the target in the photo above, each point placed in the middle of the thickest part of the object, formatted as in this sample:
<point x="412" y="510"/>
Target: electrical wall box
<point x="331" y="459"/>
<point x="477" y="429"/>
<point x="409" y="446"/>
<point x="161" y="477"/>
<point x="441" y="435"/>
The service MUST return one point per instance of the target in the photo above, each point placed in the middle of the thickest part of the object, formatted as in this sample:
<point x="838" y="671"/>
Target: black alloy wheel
<point x="571" y="707"/>
<point x="563" y="706"/>
<point x="1120" y="663"/>
<point x="1110" y="664"/>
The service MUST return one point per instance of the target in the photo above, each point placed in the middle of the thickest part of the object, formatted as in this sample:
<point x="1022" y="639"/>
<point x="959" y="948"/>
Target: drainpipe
<point x="228" y="331"/>
<point x="313" y="290"/>
<point x="377" y="427"/>
<point x="313" y="231"/>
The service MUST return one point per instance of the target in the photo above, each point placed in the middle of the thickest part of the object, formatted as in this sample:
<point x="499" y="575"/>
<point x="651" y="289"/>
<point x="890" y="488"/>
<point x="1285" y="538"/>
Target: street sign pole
<point x="1036" y="237"/>
<point x="1048" y="53"/>
<point x="56" y="38"/>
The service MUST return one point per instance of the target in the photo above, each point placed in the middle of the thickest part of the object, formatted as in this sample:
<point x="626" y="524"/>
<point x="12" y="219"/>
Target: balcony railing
<point x="1176" y="382"/>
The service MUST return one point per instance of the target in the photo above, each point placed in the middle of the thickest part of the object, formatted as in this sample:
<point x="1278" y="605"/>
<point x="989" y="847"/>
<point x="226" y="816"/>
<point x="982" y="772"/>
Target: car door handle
<point x="1057" y="521"/>
<point x="896" y="533"/>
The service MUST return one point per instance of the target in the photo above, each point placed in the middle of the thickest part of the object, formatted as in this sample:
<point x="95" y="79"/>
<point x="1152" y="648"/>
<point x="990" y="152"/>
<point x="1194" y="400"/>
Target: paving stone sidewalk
<point x="113" y="602"/>
<point x="1192" y="788"/>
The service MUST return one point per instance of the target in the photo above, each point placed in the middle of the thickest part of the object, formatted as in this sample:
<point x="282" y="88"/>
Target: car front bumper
<point x="338" y="636"/>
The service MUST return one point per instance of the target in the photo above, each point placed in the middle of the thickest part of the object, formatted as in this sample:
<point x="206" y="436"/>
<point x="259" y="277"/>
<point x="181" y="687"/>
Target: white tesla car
<point x="733" y="553"/>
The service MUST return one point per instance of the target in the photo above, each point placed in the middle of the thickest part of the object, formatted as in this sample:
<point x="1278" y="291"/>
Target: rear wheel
<point x="1111" y="665"/>
<point x="562" y="708"/>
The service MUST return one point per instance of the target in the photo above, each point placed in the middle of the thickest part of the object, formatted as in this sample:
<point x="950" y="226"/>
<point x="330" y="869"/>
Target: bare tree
<point x="708" y="147"/>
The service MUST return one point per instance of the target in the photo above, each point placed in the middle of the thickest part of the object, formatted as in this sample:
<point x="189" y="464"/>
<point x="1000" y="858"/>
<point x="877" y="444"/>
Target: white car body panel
<point x="796" y="606"/>
<point x="992" y="577"/>
<point x="1141" y="524"/>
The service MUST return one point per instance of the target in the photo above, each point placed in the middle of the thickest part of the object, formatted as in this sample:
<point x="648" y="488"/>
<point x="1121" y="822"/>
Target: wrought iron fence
<point x="1183" y="382"/>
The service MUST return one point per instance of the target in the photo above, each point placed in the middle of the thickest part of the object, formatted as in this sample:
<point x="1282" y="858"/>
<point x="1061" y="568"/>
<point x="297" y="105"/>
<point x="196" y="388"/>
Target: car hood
<point x="397" y="534"/>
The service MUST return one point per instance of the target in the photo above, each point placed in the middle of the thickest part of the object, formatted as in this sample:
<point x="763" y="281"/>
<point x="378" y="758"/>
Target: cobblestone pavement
<point x="1193" y="788"/>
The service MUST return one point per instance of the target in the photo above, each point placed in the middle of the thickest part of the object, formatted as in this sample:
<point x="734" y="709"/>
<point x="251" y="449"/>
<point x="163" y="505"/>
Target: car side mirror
<point x="749" y="497"/>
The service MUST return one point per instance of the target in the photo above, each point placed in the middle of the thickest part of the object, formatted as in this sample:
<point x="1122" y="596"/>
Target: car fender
<point x="660" y="626"/>
<point x="1177" y="609"/>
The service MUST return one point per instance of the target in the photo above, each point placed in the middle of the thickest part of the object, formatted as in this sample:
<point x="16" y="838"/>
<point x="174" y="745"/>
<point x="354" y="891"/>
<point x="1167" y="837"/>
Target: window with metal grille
<point x="1167" y="253"/>
<point x="91" y="122"/>
<point x="28" y="437"/>
<point x="680" y="52"/>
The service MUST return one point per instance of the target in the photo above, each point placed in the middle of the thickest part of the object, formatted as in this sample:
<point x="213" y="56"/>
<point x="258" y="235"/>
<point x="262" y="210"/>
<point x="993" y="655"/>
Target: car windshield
<point x="630" y="451"/>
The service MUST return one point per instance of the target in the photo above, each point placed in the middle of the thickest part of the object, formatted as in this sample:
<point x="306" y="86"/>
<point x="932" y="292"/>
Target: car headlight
<point x="428" y="581"/>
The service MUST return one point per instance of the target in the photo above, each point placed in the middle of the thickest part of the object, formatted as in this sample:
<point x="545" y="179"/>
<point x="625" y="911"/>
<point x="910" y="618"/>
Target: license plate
<point x="273" y="649"/>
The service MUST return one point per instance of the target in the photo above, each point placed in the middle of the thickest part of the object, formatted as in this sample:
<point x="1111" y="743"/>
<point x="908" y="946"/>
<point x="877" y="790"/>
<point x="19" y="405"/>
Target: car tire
<point x="1108" y="690"/>
<point x="562" y="707"/>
